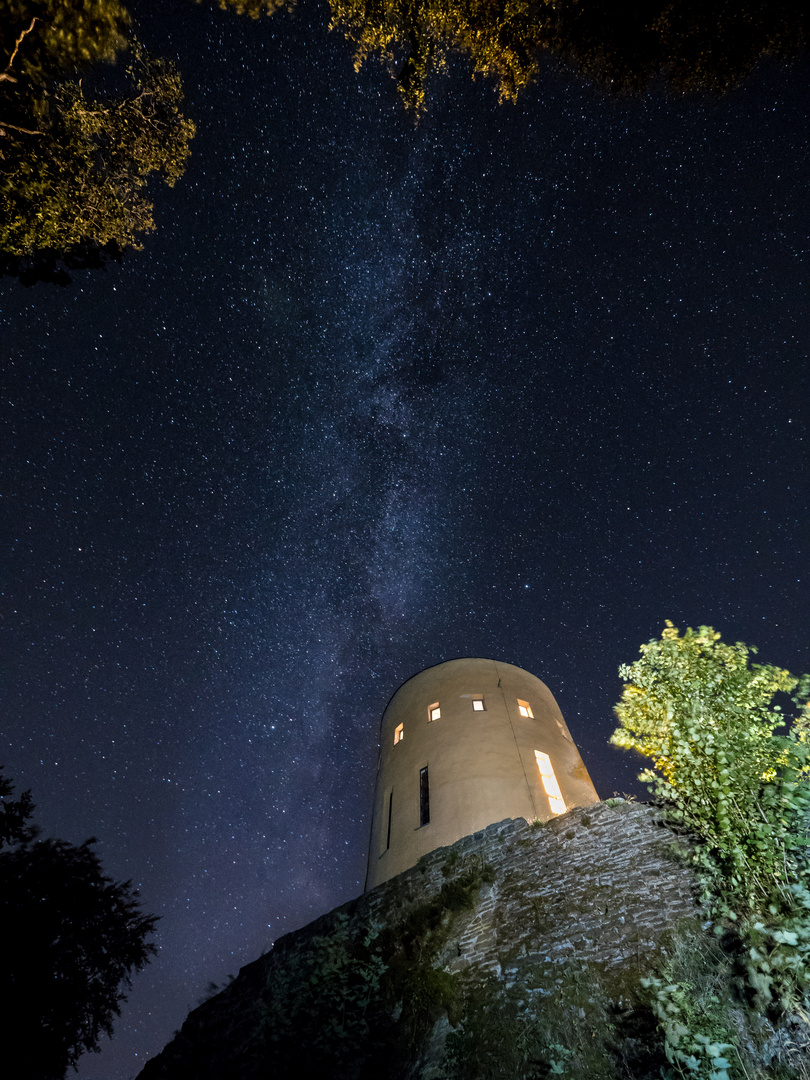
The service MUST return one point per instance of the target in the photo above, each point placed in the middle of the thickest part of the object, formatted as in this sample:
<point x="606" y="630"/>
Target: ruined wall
<point x="596" y="886"/>
<point x="598" y="880"/>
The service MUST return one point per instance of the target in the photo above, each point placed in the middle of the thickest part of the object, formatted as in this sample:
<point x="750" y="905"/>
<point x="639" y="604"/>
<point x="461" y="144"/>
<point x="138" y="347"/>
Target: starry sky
<point x="519" y="382"/>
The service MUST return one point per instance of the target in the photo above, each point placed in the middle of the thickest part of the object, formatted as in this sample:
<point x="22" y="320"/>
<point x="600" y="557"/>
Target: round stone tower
<point x="465" y="744"/>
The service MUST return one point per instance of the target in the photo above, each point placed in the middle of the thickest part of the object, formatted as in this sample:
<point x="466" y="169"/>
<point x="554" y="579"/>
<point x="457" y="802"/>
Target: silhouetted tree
<point x="70" y="938"/>
<point x="15" y="826"/>
<point x="693" y="45"/>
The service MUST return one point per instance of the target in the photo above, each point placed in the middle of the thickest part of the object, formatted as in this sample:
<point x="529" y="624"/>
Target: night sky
<point x="519" y="382"/>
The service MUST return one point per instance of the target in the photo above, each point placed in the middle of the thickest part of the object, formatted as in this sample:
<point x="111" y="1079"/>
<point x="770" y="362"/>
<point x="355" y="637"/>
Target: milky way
<point x="518" y="382"/>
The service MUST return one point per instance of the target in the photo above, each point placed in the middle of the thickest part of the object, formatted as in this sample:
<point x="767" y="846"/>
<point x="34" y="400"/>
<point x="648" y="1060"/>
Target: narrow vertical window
<point x="478" y="703"/>
<point x="399" y="733"/>
<point x="550" y="785"/>
<point x="390" y="808"/>
<point x="525" y="709"/>
<point x="424" y="797"/>
<point x="434" y="712"/>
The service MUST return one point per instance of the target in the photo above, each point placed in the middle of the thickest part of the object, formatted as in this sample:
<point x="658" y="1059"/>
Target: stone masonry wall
<point x="597" y="884"/>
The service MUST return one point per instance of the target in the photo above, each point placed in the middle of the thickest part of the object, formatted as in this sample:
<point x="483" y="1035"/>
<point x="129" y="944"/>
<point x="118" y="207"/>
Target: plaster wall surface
<point x="481" y="763"/>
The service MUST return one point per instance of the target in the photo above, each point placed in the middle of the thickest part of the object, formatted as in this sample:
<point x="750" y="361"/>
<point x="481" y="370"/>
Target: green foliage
<point x="426" y="926"/>
<point x="320" y="1005"/>
<point x="423" y="993"/>
<point x="74" y="165"/>
<point x="334" y="999"/>
<point x="705" y="716"/>
<point x="693" y="44"/>
<point x="415" y="39"/>
<point x="692" y="996"/>
<point x="691" y="1052"/>
<point x="82" y="176"/>
<point x="495" y="1038"/>
<point x="503" y="1033"/>
<point x="42" y="39"/>
<point x="451" y="863"/>
<point x="253" y="8"/>
<point x="412" y="984"/>
<point x="71" y="936"/>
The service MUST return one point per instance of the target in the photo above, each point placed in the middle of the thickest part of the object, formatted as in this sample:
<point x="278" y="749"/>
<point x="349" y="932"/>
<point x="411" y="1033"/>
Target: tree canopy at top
<point x="74" y="165"/>
<point x="692" y="45"/>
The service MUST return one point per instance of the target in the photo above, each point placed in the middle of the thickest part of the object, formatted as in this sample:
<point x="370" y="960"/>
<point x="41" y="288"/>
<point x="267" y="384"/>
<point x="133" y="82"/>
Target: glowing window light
<point x="525" y="709"/>
<point x="550" y="785"/>
<point x="399" y="733"/>
<point x="478" y="704"/>
<point x="434" y="712"/>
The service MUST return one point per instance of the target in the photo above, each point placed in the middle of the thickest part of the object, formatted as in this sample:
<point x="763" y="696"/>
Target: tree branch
<point x="26" y="131"/>
<point x="4" y="75"/>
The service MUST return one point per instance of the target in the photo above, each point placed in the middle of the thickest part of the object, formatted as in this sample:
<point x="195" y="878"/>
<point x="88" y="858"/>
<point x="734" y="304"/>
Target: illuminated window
<point x="424" y="797"/>
<point x="525" y="709"/>
<point x="434" y="712"/>
<point x="399" y="733"/>
<point x="478" y="704"/>
<point x="550" y="785"/>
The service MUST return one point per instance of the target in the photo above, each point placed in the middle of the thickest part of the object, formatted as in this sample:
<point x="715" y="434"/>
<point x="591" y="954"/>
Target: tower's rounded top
<point x="464" y="668"/>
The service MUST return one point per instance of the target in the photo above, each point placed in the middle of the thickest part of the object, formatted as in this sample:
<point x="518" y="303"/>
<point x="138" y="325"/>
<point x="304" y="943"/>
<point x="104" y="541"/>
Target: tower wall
<point x="481" y="761"/>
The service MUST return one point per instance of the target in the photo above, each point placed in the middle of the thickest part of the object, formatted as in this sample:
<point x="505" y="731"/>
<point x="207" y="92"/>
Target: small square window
<point x="434" y="712"/>
<point x="525" y="709"/>
<point x="478" y="704"/>
<point x="399" y="733"/>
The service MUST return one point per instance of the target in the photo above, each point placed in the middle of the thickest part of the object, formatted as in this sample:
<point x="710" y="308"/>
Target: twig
<point x="14" y="127"/>
<point x="5" y="73"/>
<point x="742" y="1064"/>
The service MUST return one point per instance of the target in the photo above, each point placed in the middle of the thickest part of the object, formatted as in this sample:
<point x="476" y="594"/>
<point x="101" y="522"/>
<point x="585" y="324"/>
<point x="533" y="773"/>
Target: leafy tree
<point x="45" y="38"/>
<point x="414" y="38"/>
<point x="74" y="166"/>
<point x="71" y="936"/>
<point x="693" y="45"/>
<point x="81" y="176"/>
<point x="253" y="8"/>
<point x="705" y="717"/>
